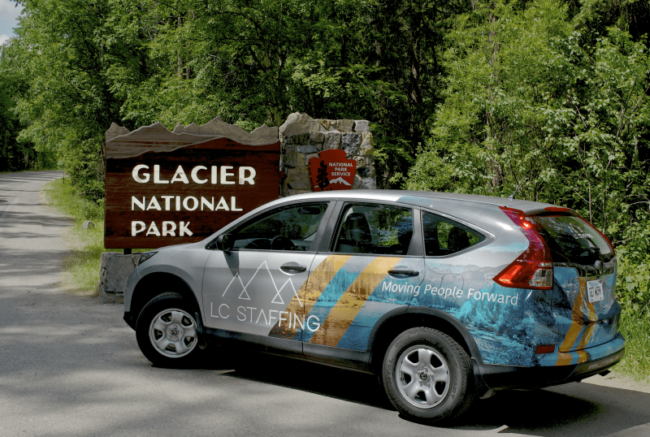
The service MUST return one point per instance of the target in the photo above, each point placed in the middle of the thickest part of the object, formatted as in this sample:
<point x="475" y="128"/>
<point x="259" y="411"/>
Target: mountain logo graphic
<point x="277" y="299"/>
<point x="340" y="181"/>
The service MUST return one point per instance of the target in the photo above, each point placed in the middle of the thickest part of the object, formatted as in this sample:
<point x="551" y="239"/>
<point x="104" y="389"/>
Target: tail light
<point x="534" y="267"/>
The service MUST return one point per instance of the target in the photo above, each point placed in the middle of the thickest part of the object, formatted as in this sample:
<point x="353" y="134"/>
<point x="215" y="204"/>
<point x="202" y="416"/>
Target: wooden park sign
<point x="175" y="187"/>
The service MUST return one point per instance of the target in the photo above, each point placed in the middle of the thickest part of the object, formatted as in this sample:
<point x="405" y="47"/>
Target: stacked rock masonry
<point x="303" y="137"/>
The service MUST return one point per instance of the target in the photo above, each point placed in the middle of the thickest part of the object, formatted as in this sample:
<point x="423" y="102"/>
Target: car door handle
<point x="293" y="268"/>
<point x="400" y="273"/>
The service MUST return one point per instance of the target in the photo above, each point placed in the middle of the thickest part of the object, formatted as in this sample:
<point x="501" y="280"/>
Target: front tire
<point x="166" y="331"/>
<point x="427" y="376"/>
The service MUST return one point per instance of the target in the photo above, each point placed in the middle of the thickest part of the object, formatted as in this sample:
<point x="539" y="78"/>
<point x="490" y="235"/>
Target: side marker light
<point x="545" y="349"/>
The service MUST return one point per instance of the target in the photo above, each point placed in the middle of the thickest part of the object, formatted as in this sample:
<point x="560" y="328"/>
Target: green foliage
<point x="134" y="63"/>
<point x="64" y="197"/>
<point x="87" y="244"/>
<point x="254" y="63"/>
<point x="636" y="330"/>
<point x="527" y="102"/>
<point x="67" y="104"/>
<point x="634" y="287"/>
<point x="15" y="155"/>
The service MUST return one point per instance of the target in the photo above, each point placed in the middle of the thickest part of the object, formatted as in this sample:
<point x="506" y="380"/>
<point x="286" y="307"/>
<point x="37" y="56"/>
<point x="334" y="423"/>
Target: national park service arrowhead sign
<point x="166" y="187"/>
<point x="331" y="170"/>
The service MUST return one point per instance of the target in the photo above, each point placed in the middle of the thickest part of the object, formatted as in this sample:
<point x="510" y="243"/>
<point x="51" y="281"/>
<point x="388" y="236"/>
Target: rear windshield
<point x="572" y="240"/>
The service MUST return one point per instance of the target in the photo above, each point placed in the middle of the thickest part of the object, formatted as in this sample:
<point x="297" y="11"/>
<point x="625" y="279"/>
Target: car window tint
<point x="288" y="228"/>
<point x="374" y="229"/>
<point x="444" y="237"/>
<point x="571" y="239"/>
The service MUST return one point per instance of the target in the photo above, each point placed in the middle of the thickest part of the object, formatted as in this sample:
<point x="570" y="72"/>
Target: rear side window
<point x="444" y="237"/>
<point x="374" y="229"/>
<point x="571" y="239"/>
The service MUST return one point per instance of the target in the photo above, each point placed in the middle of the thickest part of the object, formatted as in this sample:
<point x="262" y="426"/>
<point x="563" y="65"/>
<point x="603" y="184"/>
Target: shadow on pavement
<point x="327" y="381"/>
<point x="567" y="410"/>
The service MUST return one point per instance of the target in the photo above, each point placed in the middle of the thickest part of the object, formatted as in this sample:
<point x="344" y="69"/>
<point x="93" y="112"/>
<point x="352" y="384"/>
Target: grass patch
<point x="636" y="330"/>
<point x="82" y="266"/>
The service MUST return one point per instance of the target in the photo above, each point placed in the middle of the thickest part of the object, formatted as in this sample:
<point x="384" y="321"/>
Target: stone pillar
<point x="302" y="137"/>
<point x="114" y="269"/>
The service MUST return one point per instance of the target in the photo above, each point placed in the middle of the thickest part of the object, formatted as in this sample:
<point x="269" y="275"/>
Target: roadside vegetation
<point x="633" y="293"/>
<point x="550" y="97"/>
<point x="87" y="245"/>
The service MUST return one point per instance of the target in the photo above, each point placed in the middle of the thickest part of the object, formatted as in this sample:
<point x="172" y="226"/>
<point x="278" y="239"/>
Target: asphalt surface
<point x="69" y="366"/>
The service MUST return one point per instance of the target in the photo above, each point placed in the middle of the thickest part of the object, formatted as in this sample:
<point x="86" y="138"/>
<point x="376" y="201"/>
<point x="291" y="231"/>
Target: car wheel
<point x="428" y="376"/>
<point x="166" y="331"/>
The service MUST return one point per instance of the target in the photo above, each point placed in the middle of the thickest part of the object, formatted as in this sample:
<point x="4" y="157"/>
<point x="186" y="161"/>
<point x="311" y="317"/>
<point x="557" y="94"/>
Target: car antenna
<point x="512" y="196"/>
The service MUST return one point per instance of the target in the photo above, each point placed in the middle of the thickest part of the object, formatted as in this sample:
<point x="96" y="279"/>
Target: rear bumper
<point x="489" y="378"/>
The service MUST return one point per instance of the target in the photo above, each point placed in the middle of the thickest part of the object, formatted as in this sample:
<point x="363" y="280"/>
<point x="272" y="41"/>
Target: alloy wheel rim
<point x="173" y="333"/>
<point x="422" y="376"/>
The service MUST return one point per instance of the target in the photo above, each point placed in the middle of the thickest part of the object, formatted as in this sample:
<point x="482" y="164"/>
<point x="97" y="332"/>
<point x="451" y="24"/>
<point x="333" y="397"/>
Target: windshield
<point x="572" y="240"/>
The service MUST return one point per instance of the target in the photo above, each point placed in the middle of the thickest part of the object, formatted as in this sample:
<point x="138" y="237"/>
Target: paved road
<point x="69" y="366"/>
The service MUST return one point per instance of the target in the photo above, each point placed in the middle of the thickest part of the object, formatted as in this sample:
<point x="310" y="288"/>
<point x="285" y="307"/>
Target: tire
<point x="428" y="376"/>
<point x="166" y="331"/>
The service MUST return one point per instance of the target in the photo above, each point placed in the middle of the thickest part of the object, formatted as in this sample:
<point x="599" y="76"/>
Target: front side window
<point x="444" y="237"/>
<point x="374" y="229"/>
<point x="287" y="228"/>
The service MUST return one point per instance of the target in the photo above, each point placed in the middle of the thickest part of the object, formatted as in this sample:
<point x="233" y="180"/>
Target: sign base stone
<point x="114" y="269"/>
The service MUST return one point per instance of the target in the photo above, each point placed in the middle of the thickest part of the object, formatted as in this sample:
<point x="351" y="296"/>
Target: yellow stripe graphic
<point x="310" y="291"/>
<point x="346" y="309"/>
<point x="577" y="326"/>
<point x="320" y="279"/>
<point x="589" y="330"/>
<point x="563" y="359"/>
<point x="583" y="357"/>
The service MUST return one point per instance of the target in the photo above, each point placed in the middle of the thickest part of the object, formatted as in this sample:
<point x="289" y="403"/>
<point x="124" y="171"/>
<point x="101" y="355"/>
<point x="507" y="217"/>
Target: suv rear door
<point x="372" y="265"/>
<point x="584" y="268"/>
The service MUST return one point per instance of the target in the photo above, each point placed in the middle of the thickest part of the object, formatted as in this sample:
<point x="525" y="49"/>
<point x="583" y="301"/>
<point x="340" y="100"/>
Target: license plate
<point x="595" y="291"/>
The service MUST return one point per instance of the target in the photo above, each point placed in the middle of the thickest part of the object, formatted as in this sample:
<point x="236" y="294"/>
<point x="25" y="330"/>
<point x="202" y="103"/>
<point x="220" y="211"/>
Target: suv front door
<point x="254" y="288"/>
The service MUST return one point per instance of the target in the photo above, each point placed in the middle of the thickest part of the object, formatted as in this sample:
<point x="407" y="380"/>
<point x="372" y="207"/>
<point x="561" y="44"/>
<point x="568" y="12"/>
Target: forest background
<point x="551" y="96"/>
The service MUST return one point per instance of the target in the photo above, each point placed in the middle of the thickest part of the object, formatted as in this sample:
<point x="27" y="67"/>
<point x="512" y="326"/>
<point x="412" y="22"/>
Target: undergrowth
<point x="82" y="266"/>
<point x="636" y="330"/>
<point x="633" y="294"/>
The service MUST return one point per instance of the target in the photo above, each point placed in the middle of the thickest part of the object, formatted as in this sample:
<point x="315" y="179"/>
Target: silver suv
<point x="446" y="297"/>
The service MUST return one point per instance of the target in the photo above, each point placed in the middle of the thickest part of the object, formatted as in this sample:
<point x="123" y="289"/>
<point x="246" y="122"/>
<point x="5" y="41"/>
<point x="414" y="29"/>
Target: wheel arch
<point x="396" y="322"/>
<point x="157" y="283"/>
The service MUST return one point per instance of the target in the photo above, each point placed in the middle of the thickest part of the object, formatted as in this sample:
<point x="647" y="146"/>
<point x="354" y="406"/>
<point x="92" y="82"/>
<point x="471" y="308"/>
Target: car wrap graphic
<point x="347" y="295"/>
<point x="343" y="298"/>
<point x="583" y="324"/>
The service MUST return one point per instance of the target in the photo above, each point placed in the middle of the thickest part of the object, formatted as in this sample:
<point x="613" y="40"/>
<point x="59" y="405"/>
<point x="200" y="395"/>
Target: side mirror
<point x="225" y="242"/>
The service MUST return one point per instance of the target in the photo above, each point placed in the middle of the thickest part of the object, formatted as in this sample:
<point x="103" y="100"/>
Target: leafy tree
<point x="68" y="104"/>
<point x="15" y="155"/>
<point x="256" y="62"/>
<point x="527" y="103"/>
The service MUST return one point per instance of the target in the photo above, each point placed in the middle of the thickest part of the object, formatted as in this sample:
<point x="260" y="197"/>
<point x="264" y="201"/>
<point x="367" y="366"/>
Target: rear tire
<point x="427" y="376"/>
<point x="166" y="331"/>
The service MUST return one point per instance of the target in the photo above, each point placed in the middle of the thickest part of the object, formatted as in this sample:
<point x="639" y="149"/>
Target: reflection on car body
<point x="446" y="297"/>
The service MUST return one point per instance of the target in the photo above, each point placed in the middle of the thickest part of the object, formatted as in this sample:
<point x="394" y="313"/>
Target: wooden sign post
<point x="176" y="187"/>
